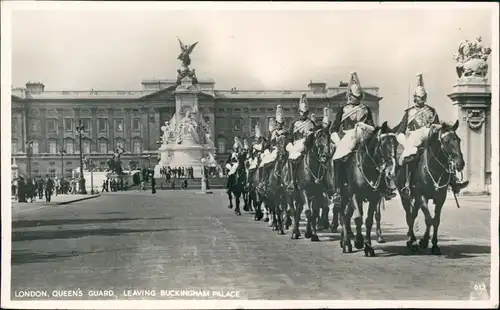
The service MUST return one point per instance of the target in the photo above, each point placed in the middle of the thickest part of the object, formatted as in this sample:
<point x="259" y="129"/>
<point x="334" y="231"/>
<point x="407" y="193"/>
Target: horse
<point x="253" y="178"/>
<point x="311" y="171"/>
<point x="439" y="158"/>
<point x="237" y="183"/>
<point x="274" y="194"/>
<point x="369" y="170"/>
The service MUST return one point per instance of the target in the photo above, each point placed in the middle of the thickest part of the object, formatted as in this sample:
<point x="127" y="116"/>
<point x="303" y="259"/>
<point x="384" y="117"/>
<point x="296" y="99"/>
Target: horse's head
<point x="319" y="143"/>
<point x="445" y="138"/>
<point x="383" y="146"/>
<point x="281" y="142"/>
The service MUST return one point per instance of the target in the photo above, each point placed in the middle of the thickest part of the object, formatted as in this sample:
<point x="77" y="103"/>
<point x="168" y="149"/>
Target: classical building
<point x="132" y="120"/>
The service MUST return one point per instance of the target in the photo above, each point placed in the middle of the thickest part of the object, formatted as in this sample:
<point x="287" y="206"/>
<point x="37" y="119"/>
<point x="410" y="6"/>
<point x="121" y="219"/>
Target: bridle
<point x="379" y="166"/>
<point x="449" y="169"/>
<point x="322" y="163"/>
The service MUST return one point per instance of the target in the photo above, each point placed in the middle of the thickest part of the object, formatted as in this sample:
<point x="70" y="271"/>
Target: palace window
<point x="70" y="147"/>
<point x="35" y="125"/>
<point x="51" y="125"/>
<point x="103" y="124"/>
<point x="120" y="144"/>
<point x="14" y="124"/>
<point x="221" y="147"/>
<point x="237" y="124"/>
<point x="254" y="121"/>
<point x="86" y="124"/>
<point x="136" y="124"/>
<point x="35" y="148"/>
<point x="52" y="147"/>
<point x="86" y="147"/>
<point x="69" y="163"/>
<point x="68" y="124"/>
<point x="137" y="147"/>
<point x="52" y="163"/>
<point x="119" y="125"/>
<point x="103" y="147"/>
<point x="52" y="172"/>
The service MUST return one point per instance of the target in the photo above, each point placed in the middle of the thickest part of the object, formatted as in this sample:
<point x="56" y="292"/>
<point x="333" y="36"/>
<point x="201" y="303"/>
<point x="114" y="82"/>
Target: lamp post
<point x="90" y="166"/>
<point x="29" y="154"/>
<point x="62" y="152"/>
<point x="79" y="131"/>
<point x="149" y="161"/>
<point x="203" y="184"/>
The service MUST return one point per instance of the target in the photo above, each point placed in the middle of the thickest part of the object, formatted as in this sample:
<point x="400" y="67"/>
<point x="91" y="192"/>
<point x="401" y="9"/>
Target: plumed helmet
<point x="279" y="114"/>
<point x="272" y="124"/>
<point x="237" y="143"/>
<point x="354" y="88"/>
<point x="303" y="104"/>
<point x="420" y="89"/>
<point x="258" y="134"/>
<point x="326" y="116"/>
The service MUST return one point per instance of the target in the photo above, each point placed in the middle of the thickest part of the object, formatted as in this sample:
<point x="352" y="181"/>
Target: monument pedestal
<point x="472" y="95"/>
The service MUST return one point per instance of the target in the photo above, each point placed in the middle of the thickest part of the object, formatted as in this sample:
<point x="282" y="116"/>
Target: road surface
<point x="179" y="240"/>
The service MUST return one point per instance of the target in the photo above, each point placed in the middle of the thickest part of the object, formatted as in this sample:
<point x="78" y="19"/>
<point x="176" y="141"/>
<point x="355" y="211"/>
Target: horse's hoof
<point x="237" y="213"/>
<point x="288" y="222"/>
<point x="271" y="224"/>
<point x="295" y="235"/>
<point x="350" y="234"/>
<point x="281" y="232"/>
<point x="347" y="248"/>
<point x="308" y="235"/>
<point x="380" y="239"/>
<point x="273" y="228"/>
<point x="369" y="252"/>
<point x="412" y="246"/>
<point x="334" y="229"/>
<point x="423" y="243"/>
<point x="314" y="238"/>
<point x="266" y="219"/>
<point x="358" y="243"/>
<point x="245" y="208"/>
<point x="230" y="207"/>
<point x="435" y="250"/>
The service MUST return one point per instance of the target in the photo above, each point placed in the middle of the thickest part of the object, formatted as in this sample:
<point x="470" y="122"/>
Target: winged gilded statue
<point x="186" y="51"/>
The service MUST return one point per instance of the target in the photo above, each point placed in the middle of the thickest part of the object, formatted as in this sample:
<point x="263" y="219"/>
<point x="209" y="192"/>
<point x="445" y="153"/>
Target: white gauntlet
<point x="335" y="137"/>
<point x="401" y="138"/>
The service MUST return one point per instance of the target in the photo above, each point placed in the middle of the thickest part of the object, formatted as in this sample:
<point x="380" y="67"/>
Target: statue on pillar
<point x="185" y="58"/>
<point x="472" y="59"/>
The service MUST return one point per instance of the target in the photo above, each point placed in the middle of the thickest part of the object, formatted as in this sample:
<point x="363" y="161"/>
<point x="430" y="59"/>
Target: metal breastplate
<point x="302" y="128"/>
<point x="420" y="117"/>
<point x="353" y="114"/>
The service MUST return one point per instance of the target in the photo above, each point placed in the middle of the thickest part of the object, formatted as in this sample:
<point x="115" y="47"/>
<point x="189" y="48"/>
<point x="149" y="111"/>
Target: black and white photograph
<point x="175" y="155"/>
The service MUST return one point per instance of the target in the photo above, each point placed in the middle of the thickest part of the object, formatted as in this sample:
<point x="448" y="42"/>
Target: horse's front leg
<point x="411" y="212"/>
<point x="316" y="204"/>
<point x="334" y="225"/>
<point x="237" y="197"/>
<point x="279" y="205"/>
<point x="372" y="206"/>
<point x="345" y="219"/>
<point x="296" y="213"/>
<point x="308" y="212"/>
<point x="424" y="242"/>
<point x="257" y="205"/>
<point x="378" y="218"/>
<point x="438" y="206"/>
<point x="357" y="204"/>
<point x="230" y="196"/>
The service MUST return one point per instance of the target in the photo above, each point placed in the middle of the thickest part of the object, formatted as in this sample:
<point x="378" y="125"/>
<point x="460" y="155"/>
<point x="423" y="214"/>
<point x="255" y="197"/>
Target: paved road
<point x="181" y="240"/>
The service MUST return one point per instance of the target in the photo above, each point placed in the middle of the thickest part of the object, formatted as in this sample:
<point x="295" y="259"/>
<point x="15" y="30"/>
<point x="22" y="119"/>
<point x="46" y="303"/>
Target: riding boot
<point x="339" y="178"/>
<point x="457" y="185"/>
<point x="292" y="184"/>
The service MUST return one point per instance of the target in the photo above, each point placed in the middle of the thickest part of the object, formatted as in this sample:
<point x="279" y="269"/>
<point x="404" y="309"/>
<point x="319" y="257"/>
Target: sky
<point x="116" y="50"/>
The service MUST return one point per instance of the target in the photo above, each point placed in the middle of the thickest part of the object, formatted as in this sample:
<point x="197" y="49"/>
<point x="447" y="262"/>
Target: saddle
<point x="413" y="158"/>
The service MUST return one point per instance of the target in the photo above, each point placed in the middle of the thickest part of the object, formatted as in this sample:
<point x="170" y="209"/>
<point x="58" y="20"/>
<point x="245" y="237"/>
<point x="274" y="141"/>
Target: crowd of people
<point x="33" y="187"/>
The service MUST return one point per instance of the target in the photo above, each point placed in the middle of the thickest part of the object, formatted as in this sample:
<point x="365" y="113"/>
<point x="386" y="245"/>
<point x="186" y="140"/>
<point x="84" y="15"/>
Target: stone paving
<point x="180" y="240"/>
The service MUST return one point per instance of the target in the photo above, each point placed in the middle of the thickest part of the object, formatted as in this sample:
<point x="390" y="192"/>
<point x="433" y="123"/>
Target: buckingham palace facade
<point x="47" y="120"/>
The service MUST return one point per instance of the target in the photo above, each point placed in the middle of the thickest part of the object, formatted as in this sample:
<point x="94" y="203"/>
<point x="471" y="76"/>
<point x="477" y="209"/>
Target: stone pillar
<point x="111" y="129"/>
<point x="128" y="130"/>
<point x="472" y="95"/>
<point x="94" y="130"/>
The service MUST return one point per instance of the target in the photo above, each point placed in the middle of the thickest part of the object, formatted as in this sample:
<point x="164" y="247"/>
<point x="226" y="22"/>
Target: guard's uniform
<point x="300" y="130"/>
<point x="232" y="163"/>
<point x="275" y="133"/>
<point x="353" y="121"/>
<point x="257" y="148"/>
<point x="414" y="129"/>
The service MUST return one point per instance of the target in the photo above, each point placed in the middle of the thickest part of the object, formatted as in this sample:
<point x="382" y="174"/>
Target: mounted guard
<point x="354" y="122"/>
<point x="300" y="129"/>
<point x="232" y="163"/>
<point x="414" y="129"/>
<point x="275" y="132"/>
<point x="257" y="147"/>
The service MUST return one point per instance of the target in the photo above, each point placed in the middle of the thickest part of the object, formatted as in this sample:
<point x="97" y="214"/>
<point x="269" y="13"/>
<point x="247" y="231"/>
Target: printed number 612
<point x="480" y="287"/>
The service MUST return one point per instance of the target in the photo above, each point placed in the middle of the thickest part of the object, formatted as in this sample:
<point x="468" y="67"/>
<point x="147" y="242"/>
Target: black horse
<point x="369" y="169"/>
<point x="430" y="177"/>
<point x="311" y="172"/>
<point x="236" y="183"/>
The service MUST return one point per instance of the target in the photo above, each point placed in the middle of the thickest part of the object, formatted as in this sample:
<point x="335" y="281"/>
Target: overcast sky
<point x="115" y="50"/>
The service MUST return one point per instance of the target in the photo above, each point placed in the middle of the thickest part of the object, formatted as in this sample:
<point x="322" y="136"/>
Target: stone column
<point x="111" y="129"/>
<point x="144" y="129"/>
<point x="127" y="130"/>
<point x="43" y="131"/>
<point x="472" y="95"/>
<point x="94" y="129"/>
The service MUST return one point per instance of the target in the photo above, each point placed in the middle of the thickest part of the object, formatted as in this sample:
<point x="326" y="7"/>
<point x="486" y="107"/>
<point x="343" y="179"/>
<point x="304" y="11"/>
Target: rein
<point x="379" y="167"/>
<point x="447" y="170"/>
<point x="322" y="169"/>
